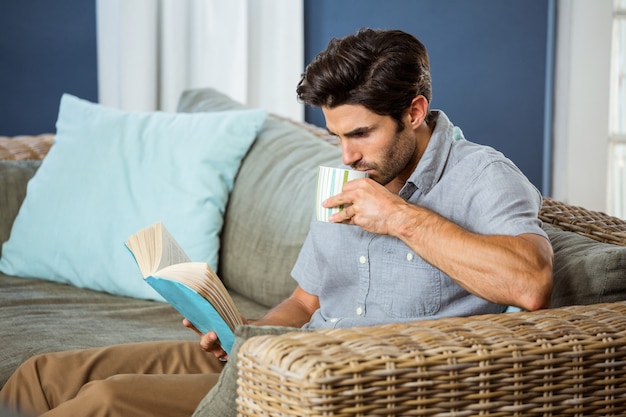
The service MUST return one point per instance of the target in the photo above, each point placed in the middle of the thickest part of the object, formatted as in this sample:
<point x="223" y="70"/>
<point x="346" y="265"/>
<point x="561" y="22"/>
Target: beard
<point x="396" y="159"/>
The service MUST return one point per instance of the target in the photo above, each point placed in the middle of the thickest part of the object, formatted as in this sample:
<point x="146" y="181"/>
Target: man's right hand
<point x="208" y="342"/>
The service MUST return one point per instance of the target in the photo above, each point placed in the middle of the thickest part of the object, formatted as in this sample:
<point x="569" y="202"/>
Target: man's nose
<point x="349" y="153"/>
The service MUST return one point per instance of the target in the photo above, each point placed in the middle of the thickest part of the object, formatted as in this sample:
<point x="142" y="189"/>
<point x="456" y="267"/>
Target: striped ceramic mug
<point x="330" y="182"/>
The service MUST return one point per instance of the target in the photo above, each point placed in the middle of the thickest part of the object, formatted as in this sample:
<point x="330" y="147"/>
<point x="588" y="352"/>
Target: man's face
<point x="370" y="142"/>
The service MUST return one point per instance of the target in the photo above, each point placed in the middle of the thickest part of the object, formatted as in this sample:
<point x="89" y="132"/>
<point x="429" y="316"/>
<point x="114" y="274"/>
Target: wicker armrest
<point x="592" y="224"/>
<point x="567" y="361"/>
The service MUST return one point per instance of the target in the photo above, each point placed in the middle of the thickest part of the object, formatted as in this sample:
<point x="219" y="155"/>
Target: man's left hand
<point x="366" y="204"/>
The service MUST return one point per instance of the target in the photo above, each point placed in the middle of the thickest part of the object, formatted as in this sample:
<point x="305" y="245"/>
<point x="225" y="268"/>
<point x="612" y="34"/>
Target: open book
<point x="192" y="288"/>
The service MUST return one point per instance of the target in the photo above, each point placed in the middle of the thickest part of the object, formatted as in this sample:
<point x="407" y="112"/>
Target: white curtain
<point x="149" y="51"/>
<point x="581" y="107"/>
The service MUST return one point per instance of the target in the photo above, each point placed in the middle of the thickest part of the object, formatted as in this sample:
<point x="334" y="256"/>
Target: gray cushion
<point x="586" y="271"/>
<point x="14" y="176"/>
<point x="220" y="401"/>
<point x="271" y="206"/>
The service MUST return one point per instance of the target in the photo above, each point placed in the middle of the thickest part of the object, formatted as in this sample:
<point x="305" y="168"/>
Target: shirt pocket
<point x="413" y="286"/>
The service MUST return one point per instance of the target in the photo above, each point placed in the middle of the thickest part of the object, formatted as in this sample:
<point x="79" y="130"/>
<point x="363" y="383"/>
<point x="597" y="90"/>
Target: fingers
<point x="341" y="199"/>
<point x="336" y="201"/>
<point x="346" y="196"/>
<point x="208" y="342"/>
<point x="188" y="325"/>
<point x="345" y="216"/>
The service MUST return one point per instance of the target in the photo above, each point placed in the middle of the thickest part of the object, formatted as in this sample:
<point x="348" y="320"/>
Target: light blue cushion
<point x="111" y="173"/>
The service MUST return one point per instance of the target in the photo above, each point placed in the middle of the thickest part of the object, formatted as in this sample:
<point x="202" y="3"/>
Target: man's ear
<point x="418" y="111"/>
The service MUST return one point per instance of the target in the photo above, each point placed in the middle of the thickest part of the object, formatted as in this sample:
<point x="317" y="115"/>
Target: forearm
<point x="508" y="270"/>
<point x="295" y="311"/>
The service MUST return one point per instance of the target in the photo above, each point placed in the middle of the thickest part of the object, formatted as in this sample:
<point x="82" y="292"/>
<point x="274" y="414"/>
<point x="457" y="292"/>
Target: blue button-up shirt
<point x="363" y="278"/>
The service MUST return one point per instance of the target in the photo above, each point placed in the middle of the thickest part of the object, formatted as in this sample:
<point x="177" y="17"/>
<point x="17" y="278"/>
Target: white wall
<point x="581" y="110"/>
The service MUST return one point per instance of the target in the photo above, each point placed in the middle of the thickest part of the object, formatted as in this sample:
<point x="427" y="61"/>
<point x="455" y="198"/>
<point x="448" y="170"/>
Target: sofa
<point x="569" y="359"/>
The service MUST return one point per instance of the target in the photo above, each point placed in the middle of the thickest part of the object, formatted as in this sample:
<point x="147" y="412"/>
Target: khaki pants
<point x="139" y="379"/>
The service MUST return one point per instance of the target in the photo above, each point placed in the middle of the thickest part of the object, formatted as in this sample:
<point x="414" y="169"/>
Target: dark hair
<point x="383" y="70"/>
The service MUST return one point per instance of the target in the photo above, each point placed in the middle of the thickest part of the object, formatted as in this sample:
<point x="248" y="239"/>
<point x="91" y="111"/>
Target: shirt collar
<point x="430" y="166"/>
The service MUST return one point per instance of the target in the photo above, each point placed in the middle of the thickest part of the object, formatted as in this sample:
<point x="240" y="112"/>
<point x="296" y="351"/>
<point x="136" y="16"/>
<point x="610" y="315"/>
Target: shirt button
<point x="334" y="320"/>
<point x="409" y="257"/>
<point x="359" y="311"/>
<point x="362" y="259"/>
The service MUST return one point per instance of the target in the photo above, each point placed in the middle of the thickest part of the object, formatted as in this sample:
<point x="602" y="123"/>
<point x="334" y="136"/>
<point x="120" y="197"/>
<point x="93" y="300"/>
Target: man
<point x="467" y="212"/>
<point x="441" y="227"/>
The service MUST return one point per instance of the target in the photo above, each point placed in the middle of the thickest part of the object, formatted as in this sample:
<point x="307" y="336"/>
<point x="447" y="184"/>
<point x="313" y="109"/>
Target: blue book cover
<point x="195" y="308"/>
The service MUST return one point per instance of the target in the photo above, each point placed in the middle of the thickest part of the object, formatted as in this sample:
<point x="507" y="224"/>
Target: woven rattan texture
<point x="25" y="147"/>
<point x="593" y="224"/>
<point x="559" y="362"/>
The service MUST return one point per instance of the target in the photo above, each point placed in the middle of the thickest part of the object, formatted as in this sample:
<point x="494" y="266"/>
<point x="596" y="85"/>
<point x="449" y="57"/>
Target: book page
<point x="199" y="277"/>
<point x="155" y="248"/>
<point x="171" y="252"/>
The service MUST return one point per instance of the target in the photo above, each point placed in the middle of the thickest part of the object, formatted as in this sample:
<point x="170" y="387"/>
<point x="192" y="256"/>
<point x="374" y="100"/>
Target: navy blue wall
<point x="488" y="62"/>
<point x="47" y="48"/>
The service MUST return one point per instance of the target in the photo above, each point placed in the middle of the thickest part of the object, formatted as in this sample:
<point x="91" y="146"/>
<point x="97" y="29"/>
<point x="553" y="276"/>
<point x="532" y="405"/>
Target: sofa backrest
<point x="271" y="205"/>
